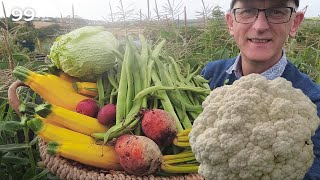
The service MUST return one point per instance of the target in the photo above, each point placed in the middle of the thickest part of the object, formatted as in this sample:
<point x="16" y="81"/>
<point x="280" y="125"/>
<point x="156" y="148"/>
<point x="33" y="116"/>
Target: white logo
<point x="26" y="15"/>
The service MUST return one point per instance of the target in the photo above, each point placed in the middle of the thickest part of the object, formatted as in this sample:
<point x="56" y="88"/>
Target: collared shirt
<point x="271" y="73"/>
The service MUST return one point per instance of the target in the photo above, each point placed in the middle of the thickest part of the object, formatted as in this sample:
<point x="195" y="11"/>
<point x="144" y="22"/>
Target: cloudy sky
<point x="99" y="9"/>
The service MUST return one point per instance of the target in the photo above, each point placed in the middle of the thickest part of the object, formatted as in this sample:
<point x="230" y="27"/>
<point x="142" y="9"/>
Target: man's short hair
<point x="234" y="1"/>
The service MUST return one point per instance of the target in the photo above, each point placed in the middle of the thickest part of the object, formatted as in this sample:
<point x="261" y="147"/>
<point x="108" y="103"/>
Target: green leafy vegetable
<point x="86" y="52"/>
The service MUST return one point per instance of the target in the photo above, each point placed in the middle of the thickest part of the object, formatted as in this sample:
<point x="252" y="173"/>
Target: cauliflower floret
<point x="255" y="129"/>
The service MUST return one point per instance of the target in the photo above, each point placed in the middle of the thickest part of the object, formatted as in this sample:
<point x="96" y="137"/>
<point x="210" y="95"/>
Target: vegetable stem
<point x="122" y="92"/>
<point x="181" y="144"/>
<point x="178" y="156"/>
<point x="179" y="169"/>
<point x="30" y="153"/>
<point x="100" y="91"/>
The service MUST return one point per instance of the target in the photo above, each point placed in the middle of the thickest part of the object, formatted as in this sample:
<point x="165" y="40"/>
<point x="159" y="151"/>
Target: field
<point x="191" y="46"/>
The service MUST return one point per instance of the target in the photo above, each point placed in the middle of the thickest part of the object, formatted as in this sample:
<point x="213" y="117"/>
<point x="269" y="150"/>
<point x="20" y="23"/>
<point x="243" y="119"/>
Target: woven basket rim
<point x="68" y="169"/>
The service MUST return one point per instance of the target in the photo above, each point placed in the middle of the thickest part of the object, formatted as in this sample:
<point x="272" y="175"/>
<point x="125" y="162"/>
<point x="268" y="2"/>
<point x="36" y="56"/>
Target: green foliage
<point x="24" y="40"/>
<point x="217" y="13"/>
<point x="304" y="49"/>
<point x="196" y="44"/>
<point x="45" y="38"/>
<point x="48" y="32"/>
<point x="12" y="37"/>
<point x="27" y="33"/>
<point x="11" y="24"/>
<point x="215" y="43"/>
<point x="19" y="152"/>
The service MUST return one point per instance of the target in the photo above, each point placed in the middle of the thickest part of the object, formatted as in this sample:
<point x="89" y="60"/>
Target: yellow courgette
<point x="49" y="132"/>
<point x="66" y="77"/>
<point x="50" y="87"/>
<point x="50" y="121"/>
<point x="70" y="119"/>
<point x="86" y="88"/>
<point x="62" y="75"/>
<point x="101" y="156"/>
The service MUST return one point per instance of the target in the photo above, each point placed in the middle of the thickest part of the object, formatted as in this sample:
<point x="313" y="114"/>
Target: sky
<point x="99" y="9"/>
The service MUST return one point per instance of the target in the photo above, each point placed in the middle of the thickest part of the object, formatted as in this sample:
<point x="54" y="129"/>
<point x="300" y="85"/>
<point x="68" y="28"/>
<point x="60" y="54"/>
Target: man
<point x="260" y="29"/>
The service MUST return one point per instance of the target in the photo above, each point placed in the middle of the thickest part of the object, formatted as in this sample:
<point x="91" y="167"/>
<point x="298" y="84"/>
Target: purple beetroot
<point x="107" y="115"/>
<point x="88" y="107"/>
<point x="160" y="126"/>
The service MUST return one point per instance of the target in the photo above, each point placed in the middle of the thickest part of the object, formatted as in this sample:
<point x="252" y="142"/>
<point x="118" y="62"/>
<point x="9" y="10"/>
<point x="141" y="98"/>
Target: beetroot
<point x="138" y="155"/>
<point x="88" y="107"/>
<point x="159" y="126"/>
<point x="107" y="115"/>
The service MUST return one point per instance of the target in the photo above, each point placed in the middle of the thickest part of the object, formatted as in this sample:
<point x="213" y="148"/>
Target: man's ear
<point x="229" y="20"/>
<point x="296" y="23"/>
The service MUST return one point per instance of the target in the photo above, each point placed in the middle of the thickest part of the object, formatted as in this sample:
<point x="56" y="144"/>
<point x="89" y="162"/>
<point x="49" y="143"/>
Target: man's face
<point x="261" y="40"/>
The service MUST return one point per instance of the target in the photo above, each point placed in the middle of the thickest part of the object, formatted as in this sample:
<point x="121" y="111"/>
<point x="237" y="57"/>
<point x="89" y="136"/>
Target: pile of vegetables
<point x="149" y="80"/>
<point x="128" y="117"/>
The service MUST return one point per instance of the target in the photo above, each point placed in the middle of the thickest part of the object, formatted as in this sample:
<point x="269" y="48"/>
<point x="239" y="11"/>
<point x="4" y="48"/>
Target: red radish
<point x="159" y="126"/>
<point x="107" y="114"/>
<point x="88" y="107"/>
<point x="138" y="155"/>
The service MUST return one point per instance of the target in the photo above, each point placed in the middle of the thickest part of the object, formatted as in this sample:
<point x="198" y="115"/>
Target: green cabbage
<point x="86" y="52"/>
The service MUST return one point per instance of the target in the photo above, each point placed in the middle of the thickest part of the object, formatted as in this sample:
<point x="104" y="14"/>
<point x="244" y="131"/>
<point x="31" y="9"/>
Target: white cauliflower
<point x="255" y="129"/>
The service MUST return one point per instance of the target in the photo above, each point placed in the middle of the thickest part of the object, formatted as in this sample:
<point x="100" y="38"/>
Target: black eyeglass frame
<point x="292" y="10"/>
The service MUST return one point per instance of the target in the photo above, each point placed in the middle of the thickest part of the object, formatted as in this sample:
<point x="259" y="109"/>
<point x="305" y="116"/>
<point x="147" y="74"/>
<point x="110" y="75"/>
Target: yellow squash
<point x="50" y="87"/>
<point x="62" y="75"/>
<point x="70" y="119"/>
<point x="101" y="156"/>
<point x="86" y="88"/>
<point x="49" y="132"/>
<point x="66" y="77"/>
<point x="50" y="121"/>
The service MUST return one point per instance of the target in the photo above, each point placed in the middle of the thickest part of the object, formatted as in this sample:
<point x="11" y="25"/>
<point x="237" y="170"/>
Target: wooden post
<point x="185" y="16"/>
<point x="156" y="9"/>
<point x="111" y="12"/>
<point x="167" y="20"/>
<point x="6" y="37"/>
<point x="72" y="12"/>
<point x="185" y="21"/>
<point x="204" y="13"/>
<point x="148" y="4"/>
<point x="5" y="15"/>
<point x="140" y="22"/>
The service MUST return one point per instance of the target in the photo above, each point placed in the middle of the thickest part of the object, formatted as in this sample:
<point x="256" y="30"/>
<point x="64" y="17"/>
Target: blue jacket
<point x="215" y="72"/>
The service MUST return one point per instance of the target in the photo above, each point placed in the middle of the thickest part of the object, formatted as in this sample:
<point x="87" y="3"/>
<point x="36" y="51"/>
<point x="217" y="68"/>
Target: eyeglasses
<point x="275" y="15"/>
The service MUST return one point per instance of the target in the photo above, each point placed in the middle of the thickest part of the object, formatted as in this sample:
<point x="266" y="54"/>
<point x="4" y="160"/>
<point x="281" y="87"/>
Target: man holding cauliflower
<point x="261" y="121"/>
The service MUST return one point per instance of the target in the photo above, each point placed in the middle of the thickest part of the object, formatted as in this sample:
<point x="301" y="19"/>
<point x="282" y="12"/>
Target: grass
<point x="304" y="49"/>
<point x="18" y="148"/>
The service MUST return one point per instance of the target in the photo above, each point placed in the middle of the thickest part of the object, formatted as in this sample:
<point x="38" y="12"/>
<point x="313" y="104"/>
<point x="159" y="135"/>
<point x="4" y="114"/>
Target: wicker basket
<point x="68" y="169"/>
